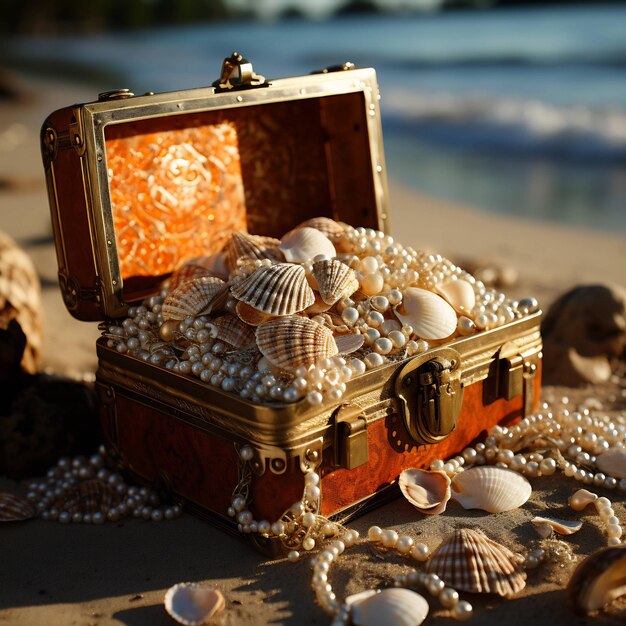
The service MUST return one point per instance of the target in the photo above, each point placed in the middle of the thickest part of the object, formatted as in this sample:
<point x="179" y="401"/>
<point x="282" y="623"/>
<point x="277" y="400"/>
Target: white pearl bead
<point x="308" y="543"/>
<point x="293" y="556"/>
<point x="449" y="598"/>
<point x="614" y="541"/>
<point x="375" y="533"/>
<point x="462" y="611"/>
<point x="308" y="519"/>
<point x="404" y="544"/>
<point x="278" y="528"/>
<point x="383" y="345"/>
<point x="389" y="538"/>
<point x="420" y="552"/>
<point x="614" y="530"/>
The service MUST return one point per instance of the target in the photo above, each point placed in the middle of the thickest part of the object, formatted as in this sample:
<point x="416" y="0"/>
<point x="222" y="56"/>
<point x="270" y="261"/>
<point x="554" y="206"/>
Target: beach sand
<point x="52" y="574"/>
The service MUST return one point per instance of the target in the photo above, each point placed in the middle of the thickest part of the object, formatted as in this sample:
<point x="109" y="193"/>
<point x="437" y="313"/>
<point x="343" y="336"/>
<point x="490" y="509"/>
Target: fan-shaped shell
<point x="214" y="263"/>
<point x="187" y="272"/>
<point x="327" y="226"/>
<point x="427" y="491"/>
<point x="545" y="526"/>
<point x="335" y="280"/>
<point x="347" y="344"/>
<point x="250" y="315"/>
<point x="459" y="294"/>
<point x="291" y="342"/>
<point x="613" y="462"/>
<point x="232" y="330"/>
<point x="15" y="509"/>
<point x="280" y="289"/>
<point x="491" y="489"/>
<point x="302" y="244"/>
<point x="194" y="297"/>
<point x="192" y="605"/>
<point x="390" y="607"/>
<point x="92" y="496"/>
<point x="244" y="245"/>
<point x="319" y="306"/>
<point x="430" y="316"/>
<point x="470" y="561"/>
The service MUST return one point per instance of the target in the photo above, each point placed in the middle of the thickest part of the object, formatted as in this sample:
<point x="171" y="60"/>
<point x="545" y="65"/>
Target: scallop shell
<point x="390" y="607"/>
<point x="327" y="226"/>
<point x="187" y="272"/>
<point x="545" y="526"/>
<point x="613" y="462"/>
<point x="302" y="244"/>
<point x="335" y="280"/>
<point x="459" y="294"/>
<point x="491" y="489"/>
<point x="244" y="245"/>
<point x="193" y="605"/>
<point x="429" y="314"/>
<point x="92" y="496"/>
<point x="346" y="344"/>
<point x="319" y="306"/>
<point x="15" y="509"/>
<point x="198" y="296"/>
<point x="470" y="561"/>
<point x="291" y="342"/>
<point x="280" y="289"/>
<point x="427" y="491"/>
<point x="232" y="330"/>
<point x="581" y="499"/>
<point x="214" y="263"/>
<point x="598" y="580"/>
<point x="250" y="315"/>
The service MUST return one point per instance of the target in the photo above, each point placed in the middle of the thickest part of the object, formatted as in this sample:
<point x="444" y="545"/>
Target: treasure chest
<point x="140" y="184"/>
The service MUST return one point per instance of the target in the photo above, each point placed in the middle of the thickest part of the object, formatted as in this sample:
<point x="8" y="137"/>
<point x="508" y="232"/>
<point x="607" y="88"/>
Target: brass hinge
<point x="238" y="73"/>
<point x="77" y="137"/>
<point x="351" y="446"/>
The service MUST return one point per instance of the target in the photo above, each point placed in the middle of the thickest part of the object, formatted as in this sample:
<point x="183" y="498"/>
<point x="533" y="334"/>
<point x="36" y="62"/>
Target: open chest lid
<point x="138" y="185"/>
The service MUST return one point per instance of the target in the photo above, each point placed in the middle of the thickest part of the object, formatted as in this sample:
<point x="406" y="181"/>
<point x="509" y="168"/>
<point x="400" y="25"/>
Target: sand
<point x="117" y="573"/>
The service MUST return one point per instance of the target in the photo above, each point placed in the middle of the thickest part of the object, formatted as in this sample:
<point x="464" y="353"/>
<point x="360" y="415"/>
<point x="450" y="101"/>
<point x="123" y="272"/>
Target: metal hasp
<point x="237" y="73"/>
<point x="350" y="445"/>
<point x="431" y="395"/>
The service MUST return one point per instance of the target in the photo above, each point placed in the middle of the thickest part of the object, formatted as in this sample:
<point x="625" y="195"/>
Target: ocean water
<point x="519" y="111"/>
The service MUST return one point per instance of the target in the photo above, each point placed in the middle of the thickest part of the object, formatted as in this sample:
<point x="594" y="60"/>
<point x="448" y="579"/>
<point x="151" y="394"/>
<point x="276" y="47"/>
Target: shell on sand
<point x="581" y="499"/>
<point x="244" y="245"/>
<point x="459" y="293"/>
<point x="280" y="289"/>
<point x="232" y="330"/>
<point x="302" y="244"/>
<point x="185" y="273"/>
<point x="545" y="526"/>
<point x="327" y="226"/>
<point x="470" y="561"/>
<point x="192" y="605"/>
<point x="347" y="344"/>
<point x="294" y="341"/>
<point x="335" y="280"/>
<point x="390" y="607"/>
<point x="194" y="297"/>
<point x="430" y="316"/>
<point x="427" y="491"/>
<point x="490" y="488"/>
<point x="250" y="315"/>
<point x="613" y="462"/>
<point x="15" y="509"/>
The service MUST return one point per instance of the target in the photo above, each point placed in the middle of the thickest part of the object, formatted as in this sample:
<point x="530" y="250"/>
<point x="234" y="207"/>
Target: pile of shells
<point x="276" y="321"/>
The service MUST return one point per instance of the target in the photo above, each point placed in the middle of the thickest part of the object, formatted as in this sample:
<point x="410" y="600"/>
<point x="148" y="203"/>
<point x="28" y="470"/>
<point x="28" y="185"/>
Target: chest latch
<point x="237" y="73"/>
<point x="430" y="393"/>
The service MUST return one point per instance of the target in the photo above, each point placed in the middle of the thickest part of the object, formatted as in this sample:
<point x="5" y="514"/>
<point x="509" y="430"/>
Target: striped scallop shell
<point x="187" y="272"/>
<point x="335" y="280"/>
<point x="232" y="330"/>
<point x="92" y="496"/>
<point x="280" y="289"/>
<point x="470" y="561"/>
<point x="302" y="244"/>
<point x="244" y="245"/>
<point x="329" y="227"/>
<point x="430" y="315"/>
<point x="294" y="341"/>
<point x="250" y="315"/>
<point x="491" y="489"/>
<point x="15" y="509"/>
<point x="194" y="297"/>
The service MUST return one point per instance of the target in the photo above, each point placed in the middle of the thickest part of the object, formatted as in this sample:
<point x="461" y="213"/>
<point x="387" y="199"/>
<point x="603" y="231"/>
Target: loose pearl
<point x="293" y="556"/>
<point x="350" y="316"/>
<point x="373" y="360"/>
<point x="383" y="346"/>
<point x="462" y="611"/>
<point x="372" y="284"/>
<point x="308" y="543"/>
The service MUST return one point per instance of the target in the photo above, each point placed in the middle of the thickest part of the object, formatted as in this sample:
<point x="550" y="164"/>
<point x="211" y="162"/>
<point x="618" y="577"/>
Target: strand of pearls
<point x="123" y="500"/>
<point x="579" y="500"/>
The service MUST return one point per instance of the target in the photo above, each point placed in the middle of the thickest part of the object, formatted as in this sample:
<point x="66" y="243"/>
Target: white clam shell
<point x="491" y="489"/>
<point x="390" y="607"/>
<point x="430" y="316"/>
<point x="459" y="293"/>
<point x="302" y="244"/>
<point x="427" y="491"/>
<point x="613" y="462"/>
<point x="193" y="605"/>
<point x="545" y="526"/>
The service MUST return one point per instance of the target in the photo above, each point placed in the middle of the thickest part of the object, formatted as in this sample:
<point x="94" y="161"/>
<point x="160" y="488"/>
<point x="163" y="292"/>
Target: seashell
<point x="459" y="294"/>
<point x="347" y="344"/>
<point x="280" y="289"/>
<point x="427" y="491"/>
<point x="250" y="315"/>
<point x="470" y="561"/>
<point x="291" y="342"/>
<point x="613" y="462"/>
<point x="327" y="226"/>
<point x="335" y="280"/>
<point x="390" y="607"/>
<point x="185" y="273"/>
<point x="319" y="306"/>
<point x="334" y="322"/>
<point x="15" y="509"/>
<point x="491" y="489"/>
<point x="302" y="244"/>
<point x="581" y="499"/>
<point x="598" y="580"/>
<point x="214" y="263"/>
<point x="430" y="316"/>
<point x="545" y="526"/>
<point x="232" y="330"/>
<point x="193" y="605"/>
<point x="244" y="245"/>
<point x="92" y="496"/>
<point x="198" y="296"/>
